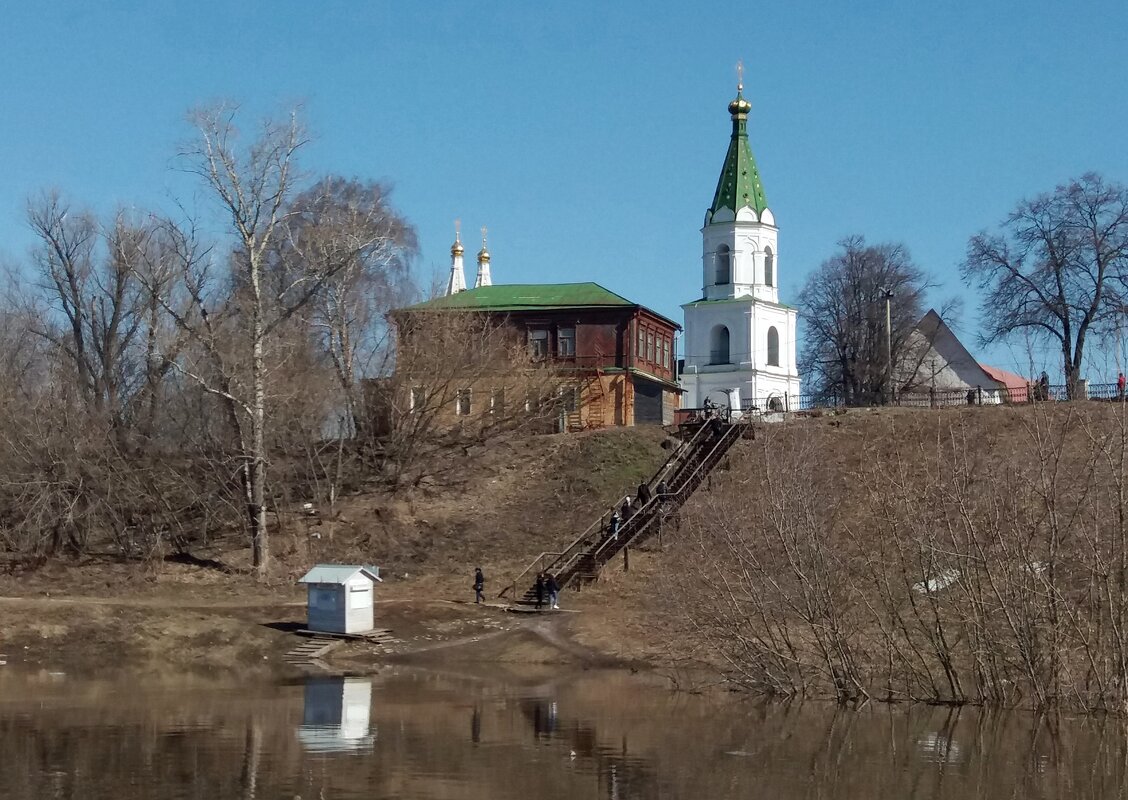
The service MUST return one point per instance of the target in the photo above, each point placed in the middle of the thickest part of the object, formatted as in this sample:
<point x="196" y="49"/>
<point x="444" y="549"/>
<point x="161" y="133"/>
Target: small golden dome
<point x="739" y="105"/>
<point x="456" y="249"/>
<point x="483" y="255"/>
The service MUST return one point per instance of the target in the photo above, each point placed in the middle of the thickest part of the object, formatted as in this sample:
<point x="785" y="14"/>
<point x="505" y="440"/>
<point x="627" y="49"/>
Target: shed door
<point x="648" y="402"/>
<point x="360" y="597"/>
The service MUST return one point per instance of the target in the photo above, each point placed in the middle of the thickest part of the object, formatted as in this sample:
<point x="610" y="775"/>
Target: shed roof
<point x="339" y="573"/>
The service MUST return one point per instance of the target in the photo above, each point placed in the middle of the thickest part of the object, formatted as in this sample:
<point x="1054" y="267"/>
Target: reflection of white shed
<point x="341" y="597"/>
<point x="336" y="713"/>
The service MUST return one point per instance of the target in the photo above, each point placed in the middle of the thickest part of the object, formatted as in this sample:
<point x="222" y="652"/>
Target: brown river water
<point x="421" y="734"/>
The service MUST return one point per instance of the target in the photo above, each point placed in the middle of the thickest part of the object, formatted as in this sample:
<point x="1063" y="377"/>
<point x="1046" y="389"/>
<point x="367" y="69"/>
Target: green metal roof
<point x="522" y="296"/>
<point x="533" y="297"/>
<point x="739" y="184"/>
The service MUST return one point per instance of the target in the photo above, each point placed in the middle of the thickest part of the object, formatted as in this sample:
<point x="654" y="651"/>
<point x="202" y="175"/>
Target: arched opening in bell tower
<point x="773" y="347"/>
<point x="769" y="267"/>
<point x="719" y="345"/>
<point x="723" y="263"/>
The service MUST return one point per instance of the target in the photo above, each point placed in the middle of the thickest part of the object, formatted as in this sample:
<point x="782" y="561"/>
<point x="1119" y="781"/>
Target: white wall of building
<point x="749" y="245"/>
<point x="748" y="306"/>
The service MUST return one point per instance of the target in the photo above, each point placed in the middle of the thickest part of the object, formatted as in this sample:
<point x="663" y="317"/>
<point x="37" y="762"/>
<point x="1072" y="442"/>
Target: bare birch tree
<point x="252" y="186"/>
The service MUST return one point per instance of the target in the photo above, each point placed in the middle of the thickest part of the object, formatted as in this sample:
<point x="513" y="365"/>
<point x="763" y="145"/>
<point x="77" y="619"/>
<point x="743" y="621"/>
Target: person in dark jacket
<point x="553" y="591"/>
<point x="538" y="590"/>
<point x="479" y="586"/>
<point x="626" y="510"/>
<point x="643" y="494"/>
<point x="613" y="525"/>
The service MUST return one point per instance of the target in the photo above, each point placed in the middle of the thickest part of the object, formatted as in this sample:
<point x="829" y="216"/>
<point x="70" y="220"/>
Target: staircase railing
<point x="538" y="564"/>
<point x="563" y="563"/>
<point x="662" y="504"/>
<point x="659" y="505"/>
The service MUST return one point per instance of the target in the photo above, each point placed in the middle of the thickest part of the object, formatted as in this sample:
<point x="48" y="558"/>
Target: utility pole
<point x="888" y="347"/>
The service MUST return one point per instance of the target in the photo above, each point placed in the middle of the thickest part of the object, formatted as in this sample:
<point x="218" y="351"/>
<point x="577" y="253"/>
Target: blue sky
<point x="589" y="136"/>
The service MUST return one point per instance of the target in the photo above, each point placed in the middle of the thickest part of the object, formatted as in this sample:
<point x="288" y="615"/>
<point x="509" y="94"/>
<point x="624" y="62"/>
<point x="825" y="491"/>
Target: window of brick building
<point x="462" y="402"/>
<point x="538" y="344"/>
<point x="566" y="342"/>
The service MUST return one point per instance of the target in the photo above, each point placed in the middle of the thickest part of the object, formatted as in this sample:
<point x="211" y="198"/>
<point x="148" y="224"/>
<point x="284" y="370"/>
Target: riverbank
<point x="62" y="619"/>
<point x="902" y="555"/>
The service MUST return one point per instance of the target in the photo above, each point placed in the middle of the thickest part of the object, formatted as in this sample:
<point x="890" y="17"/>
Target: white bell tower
<point x="738" y="335"/>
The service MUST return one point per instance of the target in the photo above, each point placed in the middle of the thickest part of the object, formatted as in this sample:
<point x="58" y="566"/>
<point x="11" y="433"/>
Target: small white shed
<point x="341" y="597"/>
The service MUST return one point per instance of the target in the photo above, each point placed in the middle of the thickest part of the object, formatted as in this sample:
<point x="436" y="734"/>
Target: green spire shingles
<point x="739" y="184"/>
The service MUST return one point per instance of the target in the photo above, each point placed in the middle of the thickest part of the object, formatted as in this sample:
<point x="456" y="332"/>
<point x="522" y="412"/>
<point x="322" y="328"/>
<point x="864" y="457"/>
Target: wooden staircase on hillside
<point x="685" y="470"/>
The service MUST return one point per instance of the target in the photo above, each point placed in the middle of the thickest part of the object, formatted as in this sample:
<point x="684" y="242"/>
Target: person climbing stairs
<point x="641" y="516"/>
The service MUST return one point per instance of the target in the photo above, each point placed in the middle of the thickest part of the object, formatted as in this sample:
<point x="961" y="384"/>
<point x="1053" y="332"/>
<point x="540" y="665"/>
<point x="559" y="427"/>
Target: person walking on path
<point x="538" y="590"/>
<point x="553" y="591"/>
<point x="643" y="494"/>
<point x="479" y="586"/>
<point x="1120" y="381"/>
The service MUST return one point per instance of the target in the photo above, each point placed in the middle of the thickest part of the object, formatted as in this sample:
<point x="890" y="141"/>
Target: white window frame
<point x="459" y="396"/>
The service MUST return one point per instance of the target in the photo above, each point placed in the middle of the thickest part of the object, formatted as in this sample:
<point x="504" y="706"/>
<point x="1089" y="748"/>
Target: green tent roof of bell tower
<point x="739" y="184"/>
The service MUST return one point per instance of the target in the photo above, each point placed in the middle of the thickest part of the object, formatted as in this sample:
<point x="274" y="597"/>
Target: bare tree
<point x="843" y="308"/>
<point x="202" y="358"/>
<point x="252" y="186"/>
<point x="91" y="301"/>
<point x="348" y="231"/>
<point x="1057" y="268"/>
<point x="459" y="375"/>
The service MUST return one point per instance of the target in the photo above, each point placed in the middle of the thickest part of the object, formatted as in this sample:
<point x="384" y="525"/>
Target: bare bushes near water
<point x="950" y="558"/>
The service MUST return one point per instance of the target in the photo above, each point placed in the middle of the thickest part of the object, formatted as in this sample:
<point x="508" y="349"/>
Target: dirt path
<point x="552" y="632"/>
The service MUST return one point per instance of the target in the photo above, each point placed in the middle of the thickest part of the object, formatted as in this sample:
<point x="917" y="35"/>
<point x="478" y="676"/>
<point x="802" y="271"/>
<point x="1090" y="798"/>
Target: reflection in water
<point x="336" y="713"/>
<point x="592" y="736"/>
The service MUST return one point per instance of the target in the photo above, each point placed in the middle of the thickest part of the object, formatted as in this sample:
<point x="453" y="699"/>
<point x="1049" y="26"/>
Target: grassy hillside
<point x="963" y="555"/>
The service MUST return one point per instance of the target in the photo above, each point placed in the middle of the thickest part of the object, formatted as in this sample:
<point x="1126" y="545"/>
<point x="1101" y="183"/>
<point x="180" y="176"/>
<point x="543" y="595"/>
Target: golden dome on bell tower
<point x="483" y="254"/>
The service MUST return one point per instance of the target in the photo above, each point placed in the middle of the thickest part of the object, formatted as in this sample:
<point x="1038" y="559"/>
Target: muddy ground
<point x="65" y="619"/>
